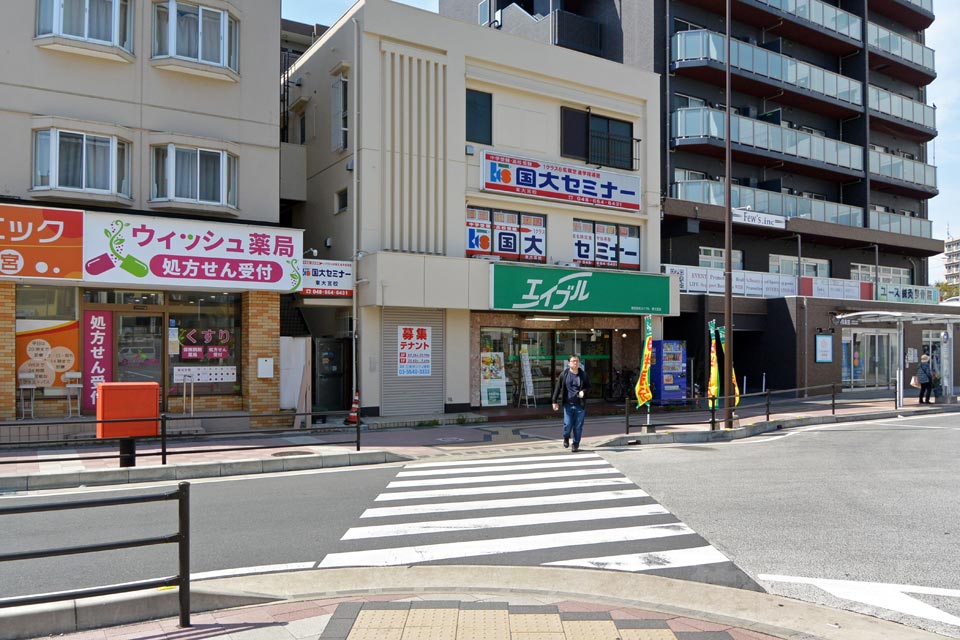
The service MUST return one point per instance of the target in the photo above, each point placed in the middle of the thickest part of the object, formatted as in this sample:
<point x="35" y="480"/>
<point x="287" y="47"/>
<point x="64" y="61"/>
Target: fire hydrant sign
<point x="413" y="351"/>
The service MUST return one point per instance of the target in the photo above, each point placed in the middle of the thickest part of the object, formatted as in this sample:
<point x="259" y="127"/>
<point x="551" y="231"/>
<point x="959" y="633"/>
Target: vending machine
<point x="668" y="371"/>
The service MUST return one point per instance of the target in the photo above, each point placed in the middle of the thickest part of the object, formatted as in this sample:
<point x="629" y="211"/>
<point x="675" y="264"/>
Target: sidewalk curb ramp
<point x="765" y="613"/>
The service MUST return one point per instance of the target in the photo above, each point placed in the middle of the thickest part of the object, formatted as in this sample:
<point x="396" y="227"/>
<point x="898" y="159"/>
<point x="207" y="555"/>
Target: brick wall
<point x="8" y="350"/>
<point x="261" y="339"/>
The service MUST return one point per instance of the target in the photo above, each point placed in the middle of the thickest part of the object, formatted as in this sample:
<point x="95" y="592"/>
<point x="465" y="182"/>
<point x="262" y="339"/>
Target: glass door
<point x="140" y="347"/>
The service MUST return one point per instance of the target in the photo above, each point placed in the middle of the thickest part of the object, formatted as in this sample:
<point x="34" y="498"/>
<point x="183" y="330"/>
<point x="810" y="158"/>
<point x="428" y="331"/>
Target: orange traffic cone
<point x="353" y="418"/>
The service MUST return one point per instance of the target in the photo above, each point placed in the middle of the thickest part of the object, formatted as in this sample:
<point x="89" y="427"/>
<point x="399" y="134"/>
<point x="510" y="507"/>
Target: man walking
<point x="571" y="391"/>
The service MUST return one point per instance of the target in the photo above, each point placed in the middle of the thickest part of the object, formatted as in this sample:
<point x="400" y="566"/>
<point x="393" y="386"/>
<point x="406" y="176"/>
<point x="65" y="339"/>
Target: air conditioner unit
<point x="566" y="263"/>
<point x="491" y="258"/>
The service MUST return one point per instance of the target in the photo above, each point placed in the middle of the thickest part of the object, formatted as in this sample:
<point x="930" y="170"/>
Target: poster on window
<point x="583" y="243"/>
<point x="533" y="238"/>
<point x="47" y="349"/>
<point x="97" y="354"/>
<point x="506" y="235"/>
<point x="413" y="351"/>
<point x="629" y="248"/>
<point x="151" y="251"/>
<point x="605" y="238"/>
<point x="493" y="380"/>
<point x="40" y="242"/>
<point x="479" y="232"/>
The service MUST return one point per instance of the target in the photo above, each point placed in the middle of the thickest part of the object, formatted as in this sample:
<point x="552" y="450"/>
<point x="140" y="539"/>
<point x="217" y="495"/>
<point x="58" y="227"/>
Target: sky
<point x="944" y="152"/>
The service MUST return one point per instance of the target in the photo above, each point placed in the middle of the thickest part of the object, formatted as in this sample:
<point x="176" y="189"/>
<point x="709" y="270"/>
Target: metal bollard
<point x="626" y="415"/>
<point x="713" y="413"/>
<point x="833" y="399"/>
<point x="128" y="452"/>
<point x="768" y="405"/>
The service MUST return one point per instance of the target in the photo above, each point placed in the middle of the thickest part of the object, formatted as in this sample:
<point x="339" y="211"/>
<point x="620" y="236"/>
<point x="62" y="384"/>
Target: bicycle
<point x="623" y="385"/>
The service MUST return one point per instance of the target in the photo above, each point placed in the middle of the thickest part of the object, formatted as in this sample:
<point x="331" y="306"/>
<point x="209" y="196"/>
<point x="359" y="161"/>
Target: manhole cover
<point x="281" y="454"/>
<point x="449" y="439"/>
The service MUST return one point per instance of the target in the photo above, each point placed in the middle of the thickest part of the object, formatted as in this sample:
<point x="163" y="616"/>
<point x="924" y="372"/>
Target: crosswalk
<point x="551" y="510"/>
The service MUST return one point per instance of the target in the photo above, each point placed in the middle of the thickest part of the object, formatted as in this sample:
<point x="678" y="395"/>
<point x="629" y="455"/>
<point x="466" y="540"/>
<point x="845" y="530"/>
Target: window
<point x="683" y="101"/>
<point x="101" y="21"/>
<point x="339" y="120"/>
<point x="46" y="303"/>
<point x="812" y="195"/>
<point x="888" y="275"/>
<point x="787" y="265"/>
<point x="606" y="245"/>
<point x="506" y="235"/>
<point x="683" y="25"/>
<point x="194" y="32"/>
<point x="687" y="175"/>
<point x="188" y="174"/>
<point x="302" y="127"/>
<point x="479" y="117"/>
<point x="81" y="161"/>
<point x="341" y="201"/>
<point x="714" y="258"/>
<point x="596" y="139"/>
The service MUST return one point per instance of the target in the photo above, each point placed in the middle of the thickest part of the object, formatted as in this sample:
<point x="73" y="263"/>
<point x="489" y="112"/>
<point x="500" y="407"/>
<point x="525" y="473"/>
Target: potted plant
<point x="937" y="388"/>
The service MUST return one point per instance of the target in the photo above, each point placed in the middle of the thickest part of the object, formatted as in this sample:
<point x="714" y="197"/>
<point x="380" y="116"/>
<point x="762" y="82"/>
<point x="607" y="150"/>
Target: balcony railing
<point x="896" y="223"/>
<point x="576" y="32"/>
<point x="926" y="5"/>
<point x="708" y="45"/>
<point x="905" y="169"/>
<point x="780" y="204"/>
<point x="822" y="15"/>
<point x="702" y="122"/>
<point x="898" y="106"/>
<point x="899" y="46"/>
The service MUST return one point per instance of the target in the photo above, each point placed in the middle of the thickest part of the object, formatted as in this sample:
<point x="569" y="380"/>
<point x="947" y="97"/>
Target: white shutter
<point x="336" y="115"/>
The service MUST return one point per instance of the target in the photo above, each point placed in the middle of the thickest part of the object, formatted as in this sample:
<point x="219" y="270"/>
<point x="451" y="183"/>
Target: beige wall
<point x="135" y="97"/>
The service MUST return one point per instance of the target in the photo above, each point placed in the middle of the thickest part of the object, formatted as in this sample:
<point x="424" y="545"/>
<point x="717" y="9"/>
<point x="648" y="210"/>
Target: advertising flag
<point x="642" y="390"/>
<point x="733" y="373"/>
<point x="713" y="383"/>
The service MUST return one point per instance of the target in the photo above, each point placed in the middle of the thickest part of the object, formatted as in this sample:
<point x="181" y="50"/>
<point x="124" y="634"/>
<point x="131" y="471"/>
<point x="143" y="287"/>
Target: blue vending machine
<point x="668" y="371"/>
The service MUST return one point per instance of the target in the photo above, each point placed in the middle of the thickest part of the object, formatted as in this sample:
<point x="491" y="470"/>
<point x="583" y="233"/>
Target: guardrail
<point x="127" y="447"/>
<point x="751" y="405"/>
<point x="181" y="539"/>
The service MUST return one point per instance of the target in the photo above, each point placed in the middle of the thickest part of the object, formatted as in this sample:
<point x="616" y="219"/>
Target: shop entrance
<point x="869" y="358"/>
<point x="139" y="347"/>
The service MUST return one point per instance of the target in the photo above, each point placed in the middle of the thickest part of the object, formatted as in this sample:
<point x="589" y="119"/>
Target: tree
<point x="947" y="290"/>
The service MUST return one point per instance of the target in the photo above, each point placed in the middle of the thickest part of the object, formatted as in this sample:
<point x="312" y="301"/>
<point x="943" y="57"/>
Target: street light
<point x="727" y="237"/>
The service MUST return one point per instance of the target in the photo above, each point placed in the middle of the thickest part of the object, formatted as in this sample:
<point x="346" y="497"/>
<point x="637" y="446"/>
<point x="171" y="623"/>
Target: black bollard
<point x="128" y="452"/>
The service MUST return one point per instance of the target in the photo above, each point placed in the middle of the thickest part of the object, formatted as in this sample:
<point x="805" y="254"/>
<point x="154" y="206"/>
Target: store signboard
<point x="522" y="288"/>
<point x="40" y="242"/>
<point x="97" y="354"/>
<point x="414" y="351"/>
<point x="327" y="278"/>
<point x="571" y="183"/>
<point x="758" y="218"/>
<point x="150" y="251"/>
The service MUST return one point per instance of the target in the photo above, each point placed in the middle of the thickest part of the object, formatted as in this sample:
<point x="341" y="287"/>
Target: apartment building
<point x="951" y="260"/>
<point x="139" y="197"/>
<point x="830" y="173"/>
<point x="464" y="175"/>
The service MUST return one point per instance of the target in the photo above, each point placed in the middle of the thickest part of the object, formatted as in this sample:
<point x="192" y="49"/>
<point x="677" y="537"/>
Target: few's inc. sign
<point x="759" y="219"/>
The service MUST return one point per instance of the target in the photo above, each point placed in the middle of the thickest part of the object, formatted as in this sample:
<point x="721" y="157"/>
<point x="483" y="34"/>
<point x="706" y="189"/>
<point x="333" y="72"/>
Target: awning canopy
<point x="913" y="317"/>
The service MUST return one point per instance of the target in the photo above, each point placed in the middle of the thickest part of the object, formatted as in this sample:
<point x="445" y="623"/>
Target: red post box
<point x="128" y="400"/>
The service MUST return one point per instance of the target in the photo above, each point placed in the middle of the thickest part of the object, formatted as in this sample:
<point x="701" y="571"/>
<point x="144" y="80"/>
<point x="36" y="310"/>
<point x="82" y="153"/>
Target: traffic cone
<point x="354" y="418"/>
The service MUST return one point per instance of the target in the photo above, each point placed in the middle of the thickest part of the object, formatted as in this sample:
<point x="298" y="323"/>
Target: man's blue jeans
<point x="573" y="415"/>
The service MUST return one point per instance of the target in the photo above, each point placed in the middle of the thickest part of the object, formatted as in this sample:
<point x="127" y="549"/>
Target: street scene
<point x="509" y="319"/>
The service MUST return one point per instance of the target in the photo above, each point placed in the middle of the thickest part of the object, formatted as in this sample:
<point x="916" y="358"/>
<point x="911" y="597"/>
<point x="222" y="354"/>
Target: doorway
<point x="869" y="358"/>
<point x="140" y="347"/>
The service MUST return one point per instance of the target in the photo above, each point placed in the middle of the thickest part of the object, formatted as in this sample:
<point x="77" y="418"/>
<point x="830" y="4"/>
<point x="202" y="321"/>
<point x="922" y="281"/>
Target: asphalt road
<point x="870" y="502"/>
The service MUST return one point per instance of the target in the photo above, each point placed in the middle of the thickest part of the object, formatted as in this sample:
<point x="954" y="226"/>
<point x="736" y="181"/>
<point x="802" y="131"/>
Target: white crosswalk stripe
<point x="530" y="510"/>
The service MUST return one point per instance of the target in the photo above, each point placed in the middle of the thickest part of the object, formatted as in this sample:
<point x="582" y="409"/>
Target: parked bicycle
<point x="622" y="387"/>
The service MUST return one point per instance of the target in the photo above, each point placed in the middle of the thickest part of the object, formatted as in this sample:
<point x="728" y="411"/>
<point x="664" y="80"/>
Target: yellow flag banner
<point x="713" y="382"/>
<point x="642" y="390"/>
<point x="733" y="373"/>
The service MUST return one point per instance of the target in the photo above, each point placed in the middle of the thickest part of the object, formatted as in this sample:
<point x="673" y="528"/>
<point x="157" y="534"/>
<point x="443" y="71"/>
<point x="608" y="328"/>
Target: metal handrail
<point x="181" y="539"/>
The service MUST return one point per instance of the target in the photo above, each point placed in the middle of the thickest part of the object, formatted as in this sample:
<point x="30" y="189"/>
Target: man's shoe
<point x="575" y="449"/>
<point x="566" y="442"/>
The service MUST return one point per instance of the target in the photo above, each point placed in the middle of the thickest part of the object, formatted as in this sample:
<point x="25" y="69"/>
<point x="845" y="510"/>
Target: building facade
<point x="474" y="182"/>
<point x="951" y="261"/>
<point x="830" y="176"/>
<point x="139" y="198"/>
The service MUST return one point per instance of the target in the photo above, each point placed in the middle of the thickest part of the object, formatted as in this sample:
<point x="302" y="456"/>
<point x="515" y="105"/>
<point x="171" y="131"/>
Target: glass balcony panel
<point x="897" y="45"/>
<point x="821" y="14"/>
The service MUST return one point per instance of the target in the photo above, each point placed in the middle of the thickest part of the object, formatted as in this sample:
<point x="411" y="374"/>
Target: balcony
<point x="902" y="176"/>
<point x="834" y="30"/>
<point x="701" y="130"/>
<point x="757" y="71"/>
<point x="575" y="32"/>
<point x="900" y="115"/>
<point x="780" y="204"/>
<point x="896" y="223"/>
<point x="900" y="57"/>
<point x="293" y="172"/>
<point x="916" y="14"/>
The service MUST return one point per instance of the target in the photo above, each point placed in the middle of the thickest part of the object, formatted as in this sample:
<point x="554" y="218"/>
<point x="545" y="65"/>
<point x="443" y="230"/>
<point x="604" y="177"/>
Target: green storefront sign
<point x="522" y="288"/>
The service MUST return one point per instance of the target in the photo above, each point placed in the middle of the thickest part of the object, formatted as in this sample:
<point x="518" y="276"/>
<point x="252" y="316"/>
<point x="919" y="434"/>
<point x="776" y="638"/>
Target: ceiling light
<point x="549" y="318"/>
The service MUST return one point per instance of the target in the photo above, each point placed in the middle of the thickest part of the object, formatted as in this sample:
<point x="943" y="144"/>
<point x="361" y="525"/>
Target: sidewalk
<point x="439" y="601"/>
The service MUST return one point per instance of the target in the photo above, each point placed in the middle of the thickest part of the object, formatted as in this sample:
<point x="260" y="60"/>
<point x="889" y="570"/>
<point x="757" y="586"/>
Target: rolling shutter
<point x="411" y="395"/>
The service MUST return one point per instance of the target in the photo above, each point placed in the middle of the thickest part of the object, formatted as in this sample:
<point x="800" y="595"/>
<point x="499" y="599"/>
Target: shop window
<point x="46" y="303"/>
<point x="208" y="343"/>
<point x="479" y="117"/>
<point x="47" y="336"/>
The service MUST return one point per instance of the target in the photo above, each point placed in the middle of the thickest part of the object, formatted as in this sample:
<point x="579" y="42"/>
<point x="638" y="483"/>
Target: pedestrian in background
<point x="571" y="392"/>
<point x="925" y="375"/>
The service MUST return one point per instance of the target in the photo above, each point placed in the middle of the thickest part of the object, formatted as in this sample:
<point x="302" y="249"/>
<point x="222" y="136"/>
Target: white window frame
<point x="226" y="184"/>
<point x="56" y="8"/>
<point x="229" y="47"/>
<point x="53" y="170"/>
<point x="902" y="276"/>
<point x="339" y="113"/>
<point x="821" y="267"/>
<point x="712" y="256"/>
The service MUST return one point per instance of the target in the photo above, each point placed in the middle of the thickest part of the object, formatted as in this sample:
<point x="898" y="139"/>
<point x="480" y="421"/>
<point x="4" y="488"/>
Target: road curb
<point x="173" y="472"/>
